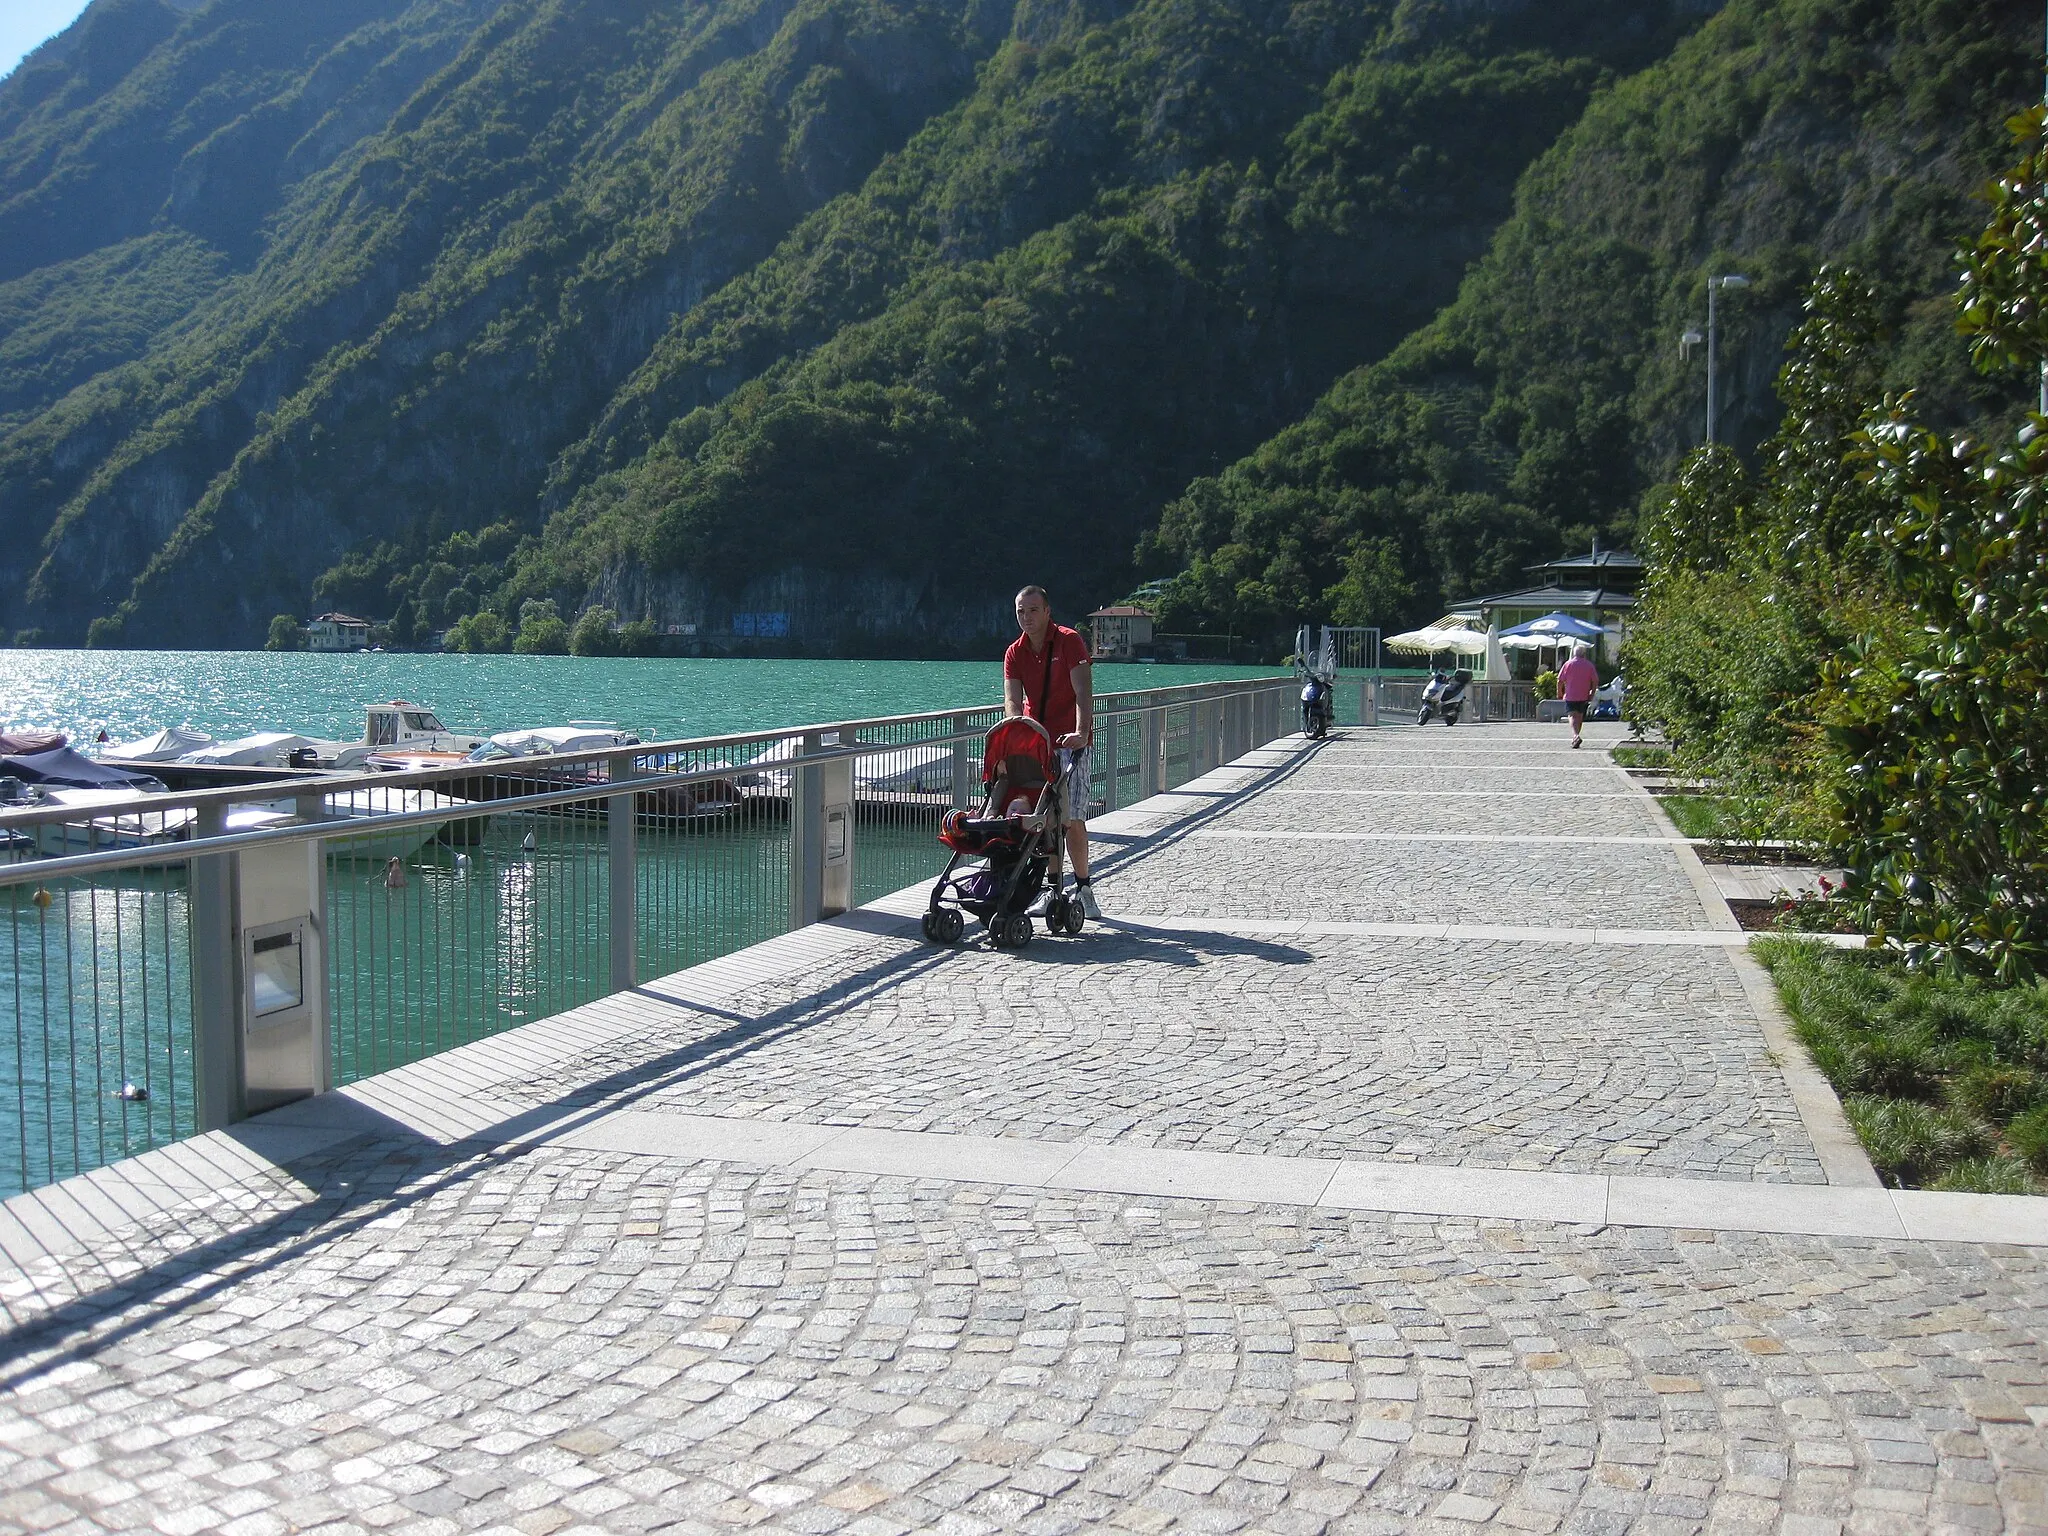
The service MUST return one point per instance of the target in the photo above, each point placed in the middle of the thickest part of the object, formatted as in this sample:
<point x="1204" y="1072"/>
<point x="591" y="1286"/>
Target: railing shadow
<point x="342" y="1206"/>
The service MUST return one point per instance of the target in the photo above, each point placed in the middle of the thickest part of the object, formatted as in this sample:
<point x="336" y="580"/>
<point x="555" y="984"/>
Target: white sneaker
<point x="1085" y="894"/>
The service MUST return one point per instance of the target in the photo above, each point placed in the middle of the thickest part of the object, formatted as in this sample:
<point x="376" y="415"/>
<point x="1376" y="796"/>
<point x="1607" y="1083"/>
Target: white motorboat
<point x="264" y="749"/>
<point x="404" y="727"/>
<point x="391" y="843"/>
<point x="919" y="769"/>
<point x="399" y="726"/>
<point x="133" y="826"/>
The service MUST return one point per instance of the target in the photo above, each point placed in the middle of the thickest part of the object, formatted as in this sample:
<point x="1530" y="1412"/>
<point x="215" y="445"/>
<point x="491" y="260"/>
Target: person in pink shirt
<point x="1577" y="681"/>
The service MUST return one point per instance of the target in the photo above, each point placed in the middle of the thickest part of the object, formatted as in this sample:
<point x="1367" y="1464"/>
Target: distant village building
<point x="338" y="632"/>
<point x="1120" y="631"/>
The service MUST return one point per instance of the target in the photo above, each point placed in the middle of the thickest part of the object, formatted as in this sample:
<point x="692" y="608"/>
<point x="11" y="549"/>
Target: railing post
<point x="963" y="772"/>
<point x="1152" y="753"/>
<point x="806" y="834"/>
<point x="1112" y="745"/>
<point x="821" y="812"/>
<point x="1371" y="701"/>
<point x="216" y="1043"/>
<point x="622" y="856"/>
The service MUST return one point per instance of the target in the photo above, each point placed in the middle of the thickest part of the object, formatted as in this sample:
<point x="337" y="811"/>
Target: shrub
<point x="2028" y="1136"/>
<point x="1911" y="1143"/>
<point x="1998" y="1174"/>
<point x="1546" y="684"/>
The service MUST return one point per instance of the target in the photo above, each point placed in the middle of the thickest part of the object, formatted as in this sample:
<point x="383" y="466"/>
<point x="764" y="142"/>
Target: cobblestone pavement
<point x="393" y="1335"/>
<point x="1563" y="885"/>
<point x="577" y="1341"/>
<point x="1510" y="1056"/>
<point x="1586" y="813"/>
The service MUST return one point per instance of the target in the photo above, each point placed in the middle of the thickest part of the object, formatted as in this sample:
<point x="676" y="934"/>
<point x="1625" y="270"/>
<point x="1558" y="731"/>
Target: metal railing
<point x="436" y="906"/>
<point x="1485" y="702"/>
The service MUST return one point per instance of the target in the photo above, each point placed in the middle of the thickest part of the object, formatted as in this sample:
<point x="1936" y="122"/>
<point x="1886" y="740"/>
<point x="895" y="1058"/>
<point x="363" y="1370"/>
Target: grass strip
<point x="1703" y="815"/>
<point x="1944" y="1081"/>
<point x="1629" y="756"/>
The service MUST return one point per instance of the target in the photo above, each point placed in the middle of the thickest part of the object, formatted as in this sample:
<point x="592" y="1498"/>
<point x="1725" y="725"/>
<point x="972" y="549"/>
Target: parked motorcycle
<point x="1315" y="708"/>
<point x="1444" y="695"/>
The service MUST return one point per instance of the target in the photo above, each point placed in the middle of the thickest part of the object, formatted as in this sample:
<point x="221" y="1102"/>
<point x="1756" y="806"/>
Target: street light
<point x="1734" y="282"/>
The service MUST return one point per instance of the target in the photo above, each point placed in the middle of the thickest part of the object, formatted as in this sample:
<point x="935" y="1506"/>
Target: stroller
<point x="1000" y="851"/>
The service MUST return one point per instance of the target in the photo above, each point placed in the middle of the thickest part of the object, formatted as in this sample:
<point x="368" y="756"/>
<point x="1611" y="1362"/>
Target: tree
<point x="480" y="632"/>
<point x="1945" y="721"/>
<point x="541" y="630"/>
<point x="596" y="634"/>
<point x="1752" y="583"/>
<point x="286" y="634"/>
<point x="1375" y="588"/>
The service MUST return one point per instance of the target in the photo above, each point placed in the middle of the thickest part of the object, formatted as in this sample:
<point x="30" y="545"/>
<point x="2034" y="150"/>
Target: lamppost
<point x="1734" y="282"/>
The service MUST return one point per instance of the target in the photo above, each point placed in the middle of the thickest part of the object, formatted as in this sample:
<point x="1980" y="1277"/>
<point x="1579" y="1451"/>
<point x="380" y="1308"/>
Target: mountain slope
<point x="676" y="291"/>
<point x="1549" y="398"/>
<point x="437" y="309"/>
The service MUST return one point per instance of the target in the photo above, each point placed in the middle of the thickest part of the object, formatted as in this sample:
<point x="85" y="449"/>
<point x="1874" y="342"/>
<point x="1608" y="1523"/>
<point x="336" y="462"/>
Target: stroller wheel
<point x="931" y="925"/>
<point x="1017" y="931"/>
<point x="950" y="925"/>
<point x="1073" y="918"/>
<point x="1056" y="914"/>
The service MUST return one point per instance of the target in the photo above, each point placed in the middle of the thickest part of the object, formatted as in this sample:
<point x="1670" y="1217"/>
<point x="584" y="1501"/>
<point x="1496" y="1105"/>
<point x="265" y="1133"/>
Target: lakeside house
<point x="1119" y="631"/>
<point x="338" y="632"/>
<point x="1599" y="588"/>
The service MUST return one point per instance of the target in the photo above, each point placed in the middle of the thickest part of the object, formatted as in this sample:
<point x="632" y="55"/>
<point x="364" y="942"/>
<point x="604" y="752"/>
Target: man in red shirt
<point x="1046" y="676"/>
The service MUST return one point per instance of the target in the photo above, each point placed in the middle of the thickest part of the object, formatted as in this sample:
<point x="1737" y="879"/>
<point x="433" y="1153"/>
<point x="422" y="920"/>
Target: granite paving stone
<point x="390" y="1333"/>
<point x="826" y="1352"/>
<point x="1636" y="1059"/>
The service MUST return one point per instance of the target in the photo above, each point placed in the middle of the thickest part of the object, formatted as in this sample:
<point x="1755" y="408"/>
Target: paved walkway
<point x="1349" y="1181"/>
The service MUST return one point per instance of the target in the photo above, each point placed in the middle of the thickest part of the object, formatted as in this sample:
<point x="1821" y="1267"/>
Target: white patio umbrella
<point x="1432" y="638"/>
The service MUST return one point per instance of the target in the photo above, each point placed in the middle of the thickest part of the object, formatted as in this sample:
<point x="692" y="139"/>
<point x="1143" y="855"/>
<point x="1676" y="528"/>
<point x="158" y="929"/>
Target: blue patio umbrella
<point x="1555" y="627"/>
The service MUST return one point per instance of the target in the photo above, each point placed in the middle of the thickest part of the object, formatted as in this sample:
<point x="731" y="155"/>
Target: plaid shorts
<point x="1076" y="785"/>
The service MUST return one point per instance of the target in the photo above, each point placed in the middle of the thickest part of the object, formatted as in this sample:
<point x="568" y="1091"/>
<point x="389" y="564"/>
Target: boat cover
<point x="172" y="741"/>
<point x="266" y="749"/>
<point x="13" y="742"/>
<point x="62" y="768"/>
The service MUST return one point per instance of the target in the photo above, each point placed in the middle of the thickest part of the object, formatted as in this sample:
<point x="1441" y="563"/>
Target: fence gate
<point x="1356" y="647"/>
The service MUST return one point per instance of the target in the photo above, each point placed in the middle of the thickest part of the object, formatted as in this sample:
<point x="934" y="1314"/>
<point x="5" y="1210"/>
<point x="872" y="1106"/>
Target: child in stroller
<point x="1000" y="851"/>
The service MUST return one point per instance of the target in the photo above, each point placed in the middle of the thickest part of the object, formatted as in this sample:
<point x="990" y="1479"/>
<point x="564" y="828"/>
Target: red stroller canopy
<point x="1019" y="736"/>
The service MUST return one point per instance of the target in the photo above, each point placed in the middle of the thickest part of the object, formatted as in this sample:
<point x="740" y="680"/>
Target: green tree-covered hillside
<point x="864" y="310"/>
<point x="676" y="299"/>
<point x="1537" y="410"/>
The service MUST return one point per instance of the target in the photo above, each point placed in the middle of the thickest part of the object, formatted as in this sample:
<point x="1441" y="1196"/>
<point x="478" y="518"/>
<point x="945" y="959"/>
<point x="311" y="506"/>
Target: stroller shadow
<point x="1116" y="940"/>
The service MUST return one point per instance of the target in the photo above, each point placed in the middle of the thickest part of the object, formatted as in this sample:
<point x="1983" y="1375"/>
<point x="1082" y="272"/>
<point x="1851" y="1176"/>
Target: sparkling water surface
<point x="233" y="693"/>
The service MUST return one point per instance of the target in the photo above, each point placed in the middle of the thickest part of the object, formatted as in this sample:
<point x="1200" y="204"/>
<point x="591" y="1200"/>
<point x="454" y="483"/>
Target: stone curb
<point x="1841" y="1155"/>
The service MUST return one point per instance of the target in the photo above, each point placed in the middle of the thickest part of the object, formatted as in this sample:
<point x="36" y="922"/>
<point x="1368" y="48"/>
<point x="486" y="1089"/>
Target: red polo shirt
<point x="1059" y="711"/>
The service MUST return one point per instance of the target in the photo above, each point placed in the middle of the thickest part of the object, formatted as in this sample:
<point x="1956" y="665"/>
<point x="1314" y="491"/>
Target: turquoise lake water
<point x="232" y="693"/>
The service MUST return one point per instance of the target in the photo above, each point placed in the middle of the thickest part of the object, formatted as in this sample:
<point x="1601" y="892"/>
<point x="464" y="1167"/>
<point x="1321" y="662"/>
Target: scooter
<point x="1444" y="694"/>
<point x="1315" y="708"/>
